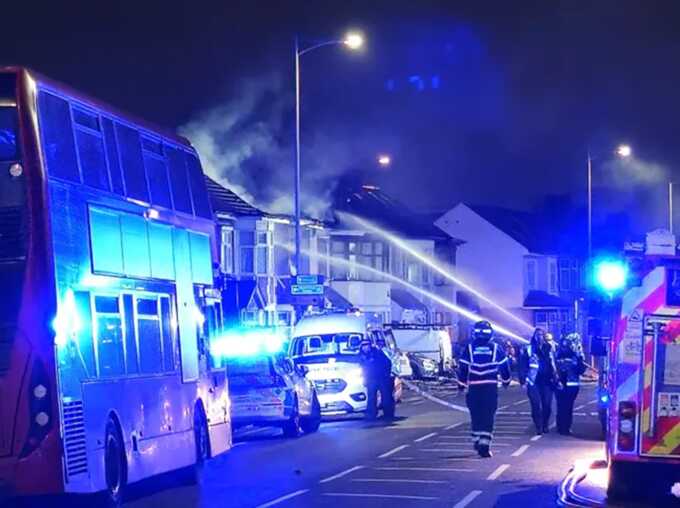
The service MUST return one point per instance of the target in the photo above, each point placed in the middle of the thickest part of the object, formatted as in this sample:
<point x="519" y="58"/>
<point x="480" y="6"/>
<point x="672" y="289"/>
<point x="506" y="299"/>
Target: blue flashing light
<point x="610" y="275"/>
<point x="248" y="343"/>
<point x="604" y="398"/>
<point x="67" y="322"/>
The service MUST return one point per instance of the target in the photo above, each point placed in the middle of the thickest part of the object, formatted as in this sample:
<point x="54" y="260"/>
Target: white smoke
<point x="246" y="144"/>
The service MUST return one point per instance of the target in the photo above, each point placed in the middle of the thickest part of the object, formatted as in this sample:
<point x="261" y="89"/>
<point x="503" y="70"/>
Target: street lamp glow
<point x="384" y="160"/>
<point x="624" y="151"/>
<point x="354" y="40"/>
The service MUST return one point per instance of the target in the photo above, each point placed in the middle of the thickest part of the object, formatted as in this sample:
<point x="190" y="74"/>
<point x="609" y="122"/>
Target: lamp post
<point x="670" y="207"/>
<point x="623" y="151"/>
<point x="353" y="41"/>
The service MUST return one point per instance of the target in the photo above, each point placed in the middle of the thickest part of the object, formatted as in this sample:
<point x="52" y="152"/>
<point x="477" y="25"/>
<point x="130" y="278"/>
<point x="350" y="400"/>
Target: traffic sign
<point x="306" y="289"/>
<point x="306" y="280"/>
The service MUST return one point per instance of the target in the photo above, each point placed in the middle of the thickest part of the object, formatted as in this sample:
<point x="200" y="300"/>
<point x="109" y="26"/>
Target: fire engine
<point x="643" y="383"/>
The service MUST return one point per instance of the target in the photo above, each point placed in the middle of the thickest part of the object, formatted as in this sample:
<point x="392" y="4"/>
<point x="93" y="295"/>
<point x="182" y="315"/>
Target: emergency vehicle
<point x="643" y="384"/>
<point x="328" y="346"/>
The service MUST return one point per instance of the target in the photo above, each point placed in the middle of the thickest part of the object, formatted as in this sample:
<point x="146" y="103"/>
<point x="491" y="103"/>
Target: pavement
<point x="423" y="459"/>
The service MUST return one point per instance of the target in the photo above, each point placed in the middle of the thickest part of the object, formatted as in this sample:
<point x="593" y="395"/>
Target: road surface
<point x="425" y="459"/>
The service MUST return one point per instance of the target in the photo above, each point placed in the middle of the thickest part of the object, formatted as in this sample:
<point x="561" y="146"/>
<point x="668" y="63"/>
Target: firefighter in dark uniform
<point x="377" y="369"/>
<point x="538" y="370"/>
<point x="479" y="367"/>
<point x="570" y="366"/>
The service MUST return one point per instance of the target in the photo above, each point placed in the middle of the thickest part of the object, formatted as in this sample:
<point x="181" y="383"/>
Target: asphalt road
<point x="424" y="459"/>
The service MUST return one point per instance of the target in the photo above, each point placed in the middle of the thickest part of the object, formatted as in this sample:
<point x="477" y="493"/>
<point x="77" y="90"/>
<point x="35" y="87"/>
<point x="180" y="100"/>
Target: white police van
<point x="328" y="346"/>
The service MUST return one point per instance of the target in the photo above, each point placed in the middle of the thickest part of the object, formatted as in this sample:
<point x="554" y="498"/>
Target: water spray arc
<point x="460" y="310"/>
<point x="427" y="260"/>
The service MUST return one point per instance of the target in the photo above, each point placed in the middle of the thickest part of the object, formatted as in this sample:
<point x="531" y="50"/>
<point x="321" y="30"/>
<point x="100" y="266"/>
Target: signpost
<point x="307" y="289"/>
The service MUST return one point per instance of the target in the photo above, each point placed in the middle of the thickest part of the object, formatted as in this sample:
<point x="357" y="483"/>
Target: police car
<point x="327" y="345"/>
<point x="269" y="390"/>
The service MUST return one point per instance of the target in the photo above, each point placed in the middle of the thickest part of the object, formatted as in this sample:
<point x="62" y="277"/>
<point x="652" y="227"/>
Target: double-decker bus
<point x="107" y="306"/>
<point x="643" y="385"/>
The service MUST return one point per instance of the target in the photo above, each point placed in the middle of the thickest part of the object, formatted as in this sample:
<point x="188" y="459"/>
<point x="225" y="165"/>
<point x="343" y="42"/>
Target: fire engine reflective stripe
<point x="668" y="444"/>
<point x="647" y="390"/>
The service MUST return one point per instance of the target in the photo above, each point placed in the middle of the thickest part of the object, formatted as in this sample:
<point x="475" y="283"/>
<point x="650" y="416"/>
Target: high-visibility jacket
<point x="570" y="366"/>
<point x="535" y="365"/>
<point x="482" y="363"/>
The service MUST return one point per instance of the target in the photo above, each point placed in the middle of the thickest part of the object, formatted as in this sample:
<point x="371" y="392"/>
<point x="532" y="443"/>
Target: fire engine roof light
<point x="610" y="275"/>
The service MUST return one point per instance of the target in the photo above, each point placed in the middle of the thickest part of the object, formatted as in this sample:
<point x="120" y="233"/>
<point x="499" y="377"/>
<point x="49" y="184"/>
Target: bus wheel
<point x="292" y="427"/>
<point x="202" y="441"/>
<point x="312" y="422"/>
<point x="115" y="466"/>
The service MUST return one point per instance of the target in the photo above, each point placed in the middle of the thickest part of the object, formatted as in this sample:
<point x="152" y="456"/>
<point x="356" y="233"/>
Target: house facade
<point x="507" y="256"/>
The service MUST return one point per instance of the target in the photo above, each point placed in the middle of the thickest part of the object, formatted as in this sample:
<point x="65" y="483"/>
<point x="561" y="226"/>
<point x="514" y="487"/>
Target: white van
<point x="428" y="348"/>
<point x="328" y="345"/>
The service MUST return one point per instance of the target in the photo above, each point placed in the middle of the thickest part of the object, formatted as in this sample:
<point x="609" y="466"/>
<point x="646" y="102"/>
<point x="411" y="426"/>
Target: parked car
<point x="272" y="391"/>
<point x="423" y="367"/>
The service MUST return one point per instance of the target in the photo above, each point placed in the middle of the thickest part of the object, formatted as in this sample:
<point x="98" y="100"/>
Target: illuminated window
<point x="247" y="251"/>
<point x="227" y="250"/>
<point x="109" y="336"/>
<point x="262" y="253"/>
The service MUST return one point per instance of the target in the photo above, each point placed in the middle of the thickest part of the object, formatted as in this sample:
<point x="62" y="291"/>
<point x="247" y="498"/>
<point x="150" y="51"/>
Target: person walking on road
<point x="571" y="365"/>
<point x="537" y="369"/>
<point x="479" y="367"/>
<point x="377" y="370"/>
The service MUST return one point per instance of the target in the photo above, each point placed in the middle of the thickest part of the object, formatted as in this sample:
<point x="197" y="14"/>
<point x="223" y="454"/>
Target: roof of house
<point x="371" y="203"/>
<point x="542" y="299"/>
<point x="225" y="201"/>
<point x="406" y="300"/>
<point x="525" y="228"/>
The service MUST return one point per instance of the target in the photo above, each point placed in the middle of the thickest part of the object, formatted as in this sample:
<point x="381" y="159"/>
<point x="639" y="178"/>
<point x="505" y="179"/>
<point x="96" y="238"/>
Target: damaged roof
<point x="228" y="202"/>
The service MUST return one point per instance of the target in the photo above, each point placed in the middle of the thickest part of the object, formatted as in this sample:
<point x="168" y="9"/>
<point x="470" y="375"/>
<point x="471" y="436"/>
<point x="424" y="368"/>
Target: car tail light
<point x="626" y="432"/>
<point x="40" y="408"/>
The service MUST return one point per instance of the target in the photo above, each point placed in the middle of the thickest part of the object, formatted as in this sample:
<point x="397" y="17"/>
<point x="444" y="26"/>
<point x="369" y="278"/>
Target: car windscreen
<point x="326" y="345"/>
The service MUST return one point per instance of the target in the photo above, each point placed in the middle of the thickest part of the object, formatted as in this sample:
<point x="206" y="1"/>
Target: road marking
<point x="386" y="496"/>
<point x="392" y="451"/>
<point x="467" y="499"/>
<point x="413" y="399"/>
<point x="468" y="438"/>
<point x="447" y="469"/>
<point x="395" y="480"/>
<point x="520" y="450"/>
<point x="284" y="498"/>
<point x="426" y="436"/>
<point x="418" y="403"/>
<point x="340" y="475"/>
<point x="442" y="402"/>
<point x="499" y="471"/>
<point x="578" y="408"/>
<point x="536" y="438"/>
<point x="503" y="407"/>
<point x="240" y="443"/>
<point x="450" y="427"/>
<point x="523" y="401"/>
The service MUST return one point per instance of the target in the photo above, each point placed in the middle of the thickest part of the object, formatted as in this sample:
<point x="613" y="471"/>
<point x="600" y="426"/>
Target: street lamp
<point x="384" y="160"/>
<point x="354" y="41"/>
<point x="623" y="151"/>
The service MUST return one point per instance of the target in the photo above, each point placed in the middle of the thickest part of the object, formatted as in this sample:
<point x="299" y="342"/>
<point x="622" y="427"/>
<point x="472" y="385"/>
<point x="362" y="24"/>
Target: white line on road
<point x="458" y="449"/>
<point x="503" y="407"/>
<point x="386" y="496"/>
<point x="467" y="499"/>
<point x="435" y="399"/>
<point x="447" y="469"/>
<point x="284" y="498"/>
<point x="395" y="480"/>
<point x="536" y="438"/>
<point x="426" y="436"/>
<point x="392" y="451"/>
<point x="450" y="427"/>
<point x="418" y="403"/>
<point x="520" y="450"/>
<point x="340" y="475"/>
<point x="499" y="471"/>
<point x="519" y="402"/>
<point x="578" y="408"/>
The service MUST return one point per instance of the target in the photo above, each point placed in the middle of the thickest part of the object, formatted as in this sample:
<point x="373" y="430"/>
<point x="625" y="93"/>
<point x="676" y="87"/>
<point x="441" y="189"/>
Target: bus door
<point x="660" y="400"/>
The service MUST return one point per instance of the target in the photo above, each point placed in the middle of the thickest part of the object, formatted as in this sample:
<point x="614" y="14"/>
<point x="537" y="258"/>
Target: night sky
<point x="488" y="102"/>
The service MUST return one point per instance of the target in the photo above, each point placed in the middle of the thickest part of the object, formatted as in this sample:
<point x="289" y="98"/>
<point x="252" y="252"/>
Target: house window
<point x="247" y="251"/>
<point x="531" y="274"/>
<point x="262" y="253"/>
<point x="552" y="273"/>
<point x="227" y="250"/>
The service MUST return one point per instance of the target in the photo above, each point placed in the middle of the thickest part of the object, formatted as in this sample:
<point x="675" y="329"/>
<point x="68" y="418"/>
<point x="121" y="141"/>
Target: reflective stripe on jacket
<point x="482" y="364"/>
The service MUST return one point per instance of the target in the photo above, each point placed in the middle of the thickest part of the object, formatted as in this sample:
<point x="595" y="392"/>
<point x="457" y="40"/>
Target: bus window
<point x="59" y="146"/>
<point x="130" y="149"/>
<point x="90" y="146"/>
<point x="148" y="327"/>
<point x="199" y="193"/>
<point x="168" y="342"/>
<point x="178" y="180"/>
<point x="156" y="172"/>
<point x="109" y="336"/>
<point x="113" y="157"/>
<point x="131" y="354"/>
<point x="8" y="134"/>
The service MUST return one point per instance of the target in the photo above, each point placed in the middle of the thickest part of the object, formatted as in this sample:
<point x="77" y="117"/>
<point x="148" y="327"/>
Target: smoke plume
<point x="246" y="144"/>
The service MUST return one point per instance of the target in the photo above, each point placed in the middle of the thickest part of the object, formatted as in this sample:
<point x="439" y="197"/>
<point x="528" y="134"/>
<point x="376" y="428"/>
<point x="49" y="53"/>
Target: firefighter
<point x="571" y="365"/>
<point x="537" y="369"/>
<point x="377" y="369"/>
<point x="479" y="366"/>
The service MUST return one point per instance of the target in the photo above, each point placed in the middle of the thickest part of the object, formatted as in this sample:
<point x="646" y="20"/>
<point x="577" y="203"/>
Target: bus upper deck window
<point x="8" y="134"/>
